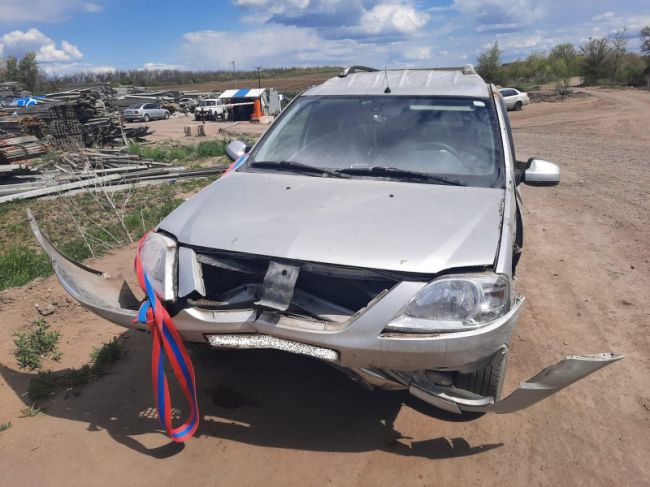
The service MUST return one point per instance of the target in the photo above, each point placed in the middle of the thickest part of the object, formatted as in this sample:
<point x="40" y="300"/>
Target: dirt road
<point x="275" y="419"/>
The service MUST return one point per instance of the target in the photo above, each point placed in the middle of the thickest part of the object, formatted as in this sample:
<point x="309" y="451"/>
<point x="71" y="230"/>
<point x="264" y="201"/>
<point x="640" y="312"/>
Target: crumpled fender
<point x="109" y="298"/>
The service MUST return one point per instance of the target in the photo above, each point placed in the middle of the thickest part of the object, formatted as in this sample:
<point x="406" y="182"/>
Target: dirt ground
<point x="172" y="130"/>
<point x="274" y="419"/>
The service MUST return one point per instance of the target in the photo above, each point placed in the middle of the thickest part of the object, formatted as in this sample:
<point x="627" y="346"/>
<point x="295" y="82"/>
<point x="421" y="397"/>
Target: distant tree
<point x="28" y="70"/>
<point x="11" y="69"/>
<point x="645" y="40"/>
<point x="595" y="52"/>
<point x="489" y="64"/>
<point x="568" y="54"/>
<point x="618" y="49"/>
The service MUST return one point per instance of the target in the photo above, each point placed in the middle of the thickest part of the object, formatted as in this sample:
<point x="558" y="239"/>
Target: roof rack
<point x="469" y="69"/>
<point x="356" y="69"/>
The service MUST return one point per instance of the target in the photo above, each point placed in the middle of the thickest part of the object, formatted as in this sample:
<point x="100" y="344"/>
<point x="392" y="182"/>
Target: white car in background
<point x="515" y="99"/>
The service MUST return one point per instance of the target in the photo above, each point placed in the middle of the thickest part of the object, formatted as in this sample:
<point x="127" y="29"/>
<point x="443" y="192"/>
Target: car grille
<point x="325" y="292"/>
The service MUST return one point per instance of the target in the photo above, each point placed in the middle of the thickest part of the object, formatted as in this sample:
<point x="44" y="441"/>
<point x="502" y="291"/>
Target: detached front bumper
<point x="360" y="346"/>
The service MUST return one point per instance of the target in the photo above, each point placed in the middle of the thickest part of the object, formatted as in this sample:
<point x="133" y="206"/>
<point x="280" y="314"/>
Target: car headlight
<point x="455" y="303"/>
<point x="158" y="256"/>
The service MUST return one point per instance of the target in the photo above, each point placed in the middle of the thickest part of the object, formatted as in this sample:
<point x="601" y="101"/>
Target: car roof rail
<point x="356" y="69"/>
<point x="469" y="69"/>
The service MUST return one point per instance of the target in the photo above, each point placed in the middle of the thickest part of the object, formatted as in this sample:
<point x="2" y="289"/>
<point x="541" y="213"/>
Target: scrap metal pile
<point x="70" y="122"/>
<point x="90" y="170"/>
<point x="83" y="116"/>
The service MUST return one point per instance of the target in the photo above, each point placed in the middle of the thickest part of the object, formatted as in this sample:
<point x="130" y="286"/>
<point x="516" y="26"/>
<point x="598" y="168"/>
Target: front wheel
<point x="487" y="381"/>
<point x="166" y="116"/>
<point x="518" y="106"/>
<point x="146" y="117"/>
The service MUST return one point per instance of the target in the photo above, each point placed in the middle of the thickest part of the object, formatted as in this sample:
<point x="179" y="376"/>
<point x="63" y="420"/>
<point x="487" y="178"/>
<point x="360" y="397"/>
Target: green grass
<point x="46" y="384"/>
<point x="42" y="385"/>
<point x="22" y="260"/>
<point x="180" y="153"/>
<point x="30" y="411"/>
<point x="36" y="344"/>
<point x="20" y="264"/>
<point x="5" y="426"/>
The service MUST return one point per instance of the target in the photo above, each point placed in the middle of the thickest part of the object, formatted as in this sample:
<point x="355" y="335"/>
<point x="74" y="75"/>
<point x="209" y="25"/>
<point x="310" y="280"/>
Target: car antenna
<point x="387" y="90"/>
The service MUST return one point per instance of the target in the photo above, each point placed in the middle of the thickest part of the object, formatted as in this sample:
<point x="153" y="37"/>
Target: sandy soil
<point x="276" y="419"/>
<point x="172" y="130"/>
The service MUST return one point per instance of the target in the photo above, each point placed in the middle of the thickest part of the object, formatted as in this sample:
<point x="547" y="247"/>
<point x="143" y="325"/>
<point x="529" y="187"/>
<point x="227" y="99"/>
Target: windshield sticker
<point x="479" y="103"/>
<point x="442" y="108"/>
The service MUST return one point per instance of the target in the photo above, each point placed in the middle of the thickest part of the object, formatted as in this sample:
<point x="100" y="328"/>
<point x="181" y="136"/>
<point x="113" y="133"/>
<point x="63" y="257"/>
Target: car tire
<point x="487" y="381"/>
<point x="518" y="106"/>
<point x="145" y="118"/>
<point x="166" y="116"/>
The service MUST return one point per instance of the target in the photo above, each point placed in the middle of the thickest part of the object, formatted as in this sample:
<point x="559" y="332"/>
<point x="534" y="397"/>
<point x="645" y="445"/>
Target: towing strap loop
<point x="167" y="342"/>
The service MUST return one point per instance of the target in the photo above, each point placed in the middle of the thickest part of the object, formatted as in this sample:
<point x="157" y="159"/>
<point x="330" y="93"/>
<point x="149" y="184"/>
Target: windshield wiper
<point x="297" y="167"/>
<point x="396" y="173"/>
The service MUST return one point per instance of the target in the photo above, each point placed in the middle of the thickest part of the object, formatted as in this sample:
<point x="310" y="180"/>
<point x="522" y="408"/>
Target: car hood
<point x="399" y="226"/>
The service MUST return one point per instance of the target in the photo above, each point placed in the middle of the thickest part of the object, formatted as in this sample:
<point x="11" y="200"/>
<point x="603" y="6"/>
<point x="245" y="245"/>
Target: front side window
<point x="455" y="139"/>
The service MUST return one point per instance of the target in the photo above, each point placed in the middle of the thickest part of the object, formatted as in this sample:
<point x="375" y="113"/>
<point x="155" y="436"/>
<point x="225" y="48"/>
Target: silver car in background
<point x="514" y="99"/>
<point x="145" y="112"/>
<point x="377" y="226"/>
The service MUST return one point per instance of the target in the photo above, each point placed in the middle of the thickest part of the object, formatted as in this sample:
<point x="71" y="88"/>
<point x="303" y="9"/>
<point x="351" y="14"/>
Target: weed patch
<point x="36" y="344"/>
<point x="81" y="226"/>
<point x="46" y="384"/>
<point x="42" y="385"/>
<point x="30" y="412"/>
<point x="5" y="427"/>
<point x="20" y="264"/>
<point x="180" y="153"/>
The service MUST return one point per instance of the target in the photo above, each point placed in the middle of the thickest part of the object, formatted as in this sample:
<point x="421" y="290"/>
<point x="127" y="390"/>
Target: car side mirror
<point x="236" y="149"/>
<point x="538" y="172"/>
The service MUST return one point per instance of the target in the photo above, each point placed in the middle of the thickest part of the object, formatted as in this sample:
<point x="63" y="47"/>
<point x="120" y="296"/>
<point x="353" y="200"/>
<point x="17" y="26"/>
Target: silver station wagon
<point x="376" y="226"/>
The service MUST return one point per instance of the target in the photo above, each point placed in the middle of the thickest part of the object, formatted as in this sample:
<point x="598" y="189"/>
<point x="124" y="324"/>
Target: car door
<point x="510" y="97"/>
<point x="156" y="111"/>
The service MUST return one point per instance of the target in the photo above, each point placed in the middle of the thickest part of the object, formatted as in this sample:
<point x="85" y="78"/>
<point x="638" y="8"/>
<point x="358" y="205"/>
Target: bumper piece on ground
<point x="537" y="388"/>
<point x="109" y="298"/>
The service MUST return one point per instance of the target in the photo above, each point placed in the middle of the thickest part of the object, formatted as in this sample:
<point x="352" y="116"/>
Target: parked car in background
<point x="515" y="99"/>
<point x="188" y="104"/>
<point x="211" y="109"/>
<point x="145" y="112"/>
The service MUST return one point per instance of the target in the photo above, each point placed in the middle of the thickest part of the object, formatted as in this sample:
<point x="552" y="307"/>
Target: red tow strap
<point x="166" y="337"/>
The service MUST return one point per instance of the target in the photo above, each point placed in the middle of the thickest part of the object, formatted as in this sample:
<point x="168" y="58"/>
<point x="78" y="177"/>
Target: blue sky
<point x="100" y="35"/>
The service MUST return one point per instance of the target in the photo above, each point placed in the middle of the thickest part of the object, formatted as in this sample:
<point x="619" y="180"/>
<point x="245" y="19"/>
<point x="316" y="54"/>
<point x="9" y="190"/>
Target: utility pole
<point x="234" y="72"/>
<point x="259" y="80"/>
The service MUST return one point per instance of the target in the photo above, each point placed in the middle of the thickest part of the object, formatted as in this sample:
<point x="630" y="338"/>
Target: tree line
<point x="27" y="72"/>
<point x="598" y="60"/>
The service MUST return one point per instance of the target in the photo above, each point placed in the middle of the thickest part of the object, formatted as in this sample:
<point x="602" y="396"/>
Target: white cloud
<point x="162" y="66"/>
<point x="274" y="6"/>
<point x="43" y="10"/>
<point x="19" y="42"/>
<point x="62" y="69"/>
<point x="280" y="45"/>
<point x="392" y="17"/>
<point x="500" y="15"/>
<point x="93" y="8"/>
<point x="416" y="53"/>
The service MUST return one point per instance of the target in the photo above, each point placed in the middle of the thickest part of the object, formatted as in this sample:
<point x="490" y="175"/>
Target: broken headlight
<point x="158" y="256"/>
<point x="455" y="303"/>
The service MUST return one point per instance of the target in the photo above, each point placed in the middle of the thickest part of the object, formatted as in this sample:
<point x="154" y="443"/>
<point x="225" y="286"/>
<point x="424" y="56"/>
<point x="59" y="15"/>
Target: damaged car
<point x="376" y="225"/>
